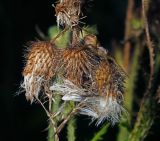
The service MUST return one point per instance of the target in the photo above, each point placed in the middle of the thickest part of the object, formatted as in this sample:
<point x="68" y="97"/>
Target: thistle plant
<point x="81" y="77"/>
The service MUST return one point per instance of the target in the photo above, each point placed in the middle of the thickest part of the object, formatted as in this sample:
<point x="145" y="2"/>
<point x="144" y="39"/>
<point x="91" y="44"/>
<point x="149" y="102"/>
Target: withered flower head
<point x="108" y="81"/>
<point x="67" y="12"/>
<point x="78" y="64"/>
<point x="39" y="67"/>
<point x="94" y="80"/>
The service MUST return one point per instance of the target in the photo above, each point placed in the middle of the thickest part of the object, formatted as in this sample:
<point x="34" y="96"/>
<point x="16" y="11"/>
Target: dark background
<point x="21" y="121"/>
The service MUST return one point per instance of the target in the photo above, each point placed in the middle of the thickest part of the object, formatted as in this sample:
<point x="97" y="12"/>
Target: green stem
<point x="99" y="135"/>
<point x="147" y="112"/>
<point x="53" y="126"/>
<point x="144" y="121"/>
<point x="130" y="86"/>
<point x="71" y="130"/>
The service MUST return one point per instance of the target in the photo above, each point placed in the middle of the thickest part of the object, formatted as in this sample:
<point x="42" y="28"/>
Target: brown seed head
<point x="39" y="68"/>
<point x="108" y="78"/>
<point x="67" y="12"/>
<point x="94" y="79"/>
<point x="79" y="64"/>
<point x="40" y="60"/>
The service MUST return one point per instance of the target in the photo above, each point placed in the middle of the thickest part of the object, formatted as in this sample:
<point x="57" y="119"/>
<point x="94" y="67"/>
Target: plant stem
<point x="127" y="46"/>
<point x="52" y="136"/>
<point x="71" y="130"/>
<point x="144" y="121"/>
<point x="145" y="6"/>
<point x="99" y="135"/>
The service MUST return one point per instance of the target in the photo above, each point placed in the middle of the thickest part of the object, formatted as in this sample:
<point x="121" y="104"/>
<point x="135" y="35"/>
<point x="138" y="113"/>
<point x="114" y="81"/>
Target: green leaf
<point x="89" y="30"/>
<point x="61" y="41"/>
<point x="99" y="135"/>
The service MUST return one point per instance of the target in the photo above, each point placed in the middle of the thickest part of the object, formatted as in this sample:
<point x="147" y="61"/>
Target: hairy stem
<point x="149" y="42"/>
<point x="144" y="121"/>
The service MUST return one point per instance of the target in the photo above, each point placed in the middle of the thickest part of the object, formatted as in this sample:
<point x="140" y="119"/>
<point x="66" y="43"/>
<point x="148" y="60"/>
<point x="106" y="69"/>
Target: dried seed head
<point x="39" y="59"/>
<point x="61" y="14"/>
<point x="67" y="12"/>
<point x="109" y="78"/>
<point x="39" y="68"/>
<point x="78" y="64"/>
<point x="102" y="97"/>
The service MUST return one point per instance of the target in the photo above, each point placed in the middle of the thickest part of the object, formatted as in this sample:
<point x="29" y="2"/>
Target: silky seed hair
<point x="97" y="107"/>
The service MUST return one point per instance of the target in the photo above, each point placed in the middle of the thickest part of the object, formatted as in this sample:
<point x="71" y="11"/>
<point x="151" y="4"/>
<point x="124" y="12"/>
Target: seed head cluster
<point x="88" y="75"/>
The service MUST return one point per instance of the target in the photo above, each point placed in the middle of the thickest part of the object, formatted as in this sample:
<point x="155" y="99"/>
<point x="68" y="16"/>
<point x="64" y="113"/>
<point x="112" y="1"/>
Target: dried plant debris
<point x="89" y="76"/>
